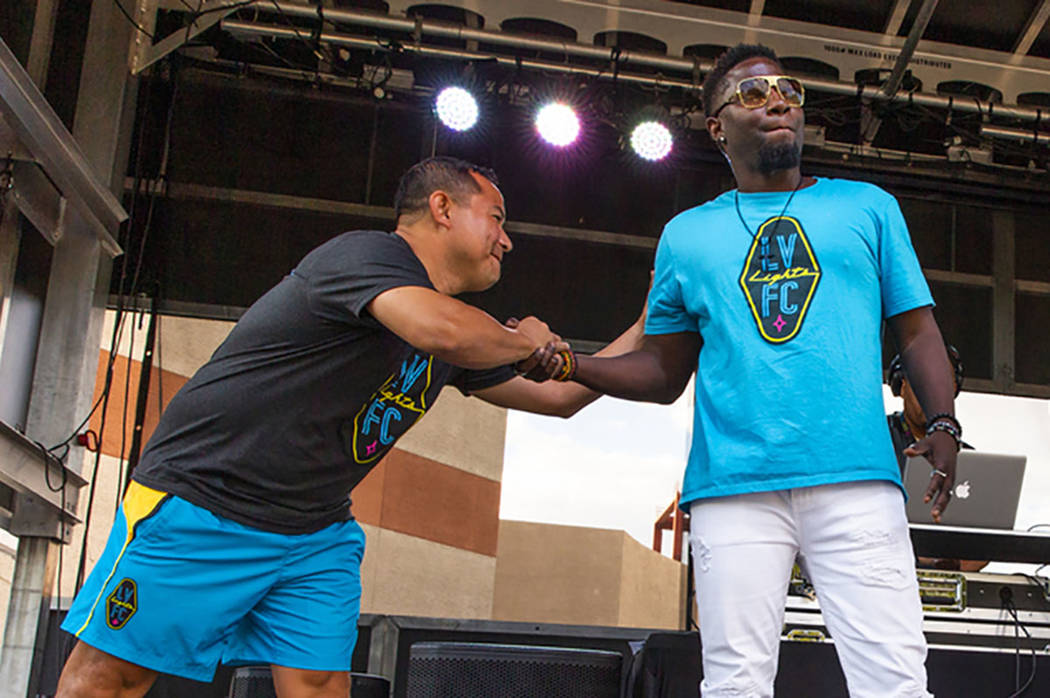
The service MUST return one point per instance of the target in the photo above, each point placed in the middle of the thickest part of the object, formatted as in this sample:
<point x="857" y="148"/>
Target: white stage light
<point x="457" y="108"/>
<point x="651" y="140"/>
<point x="558" y="124"/>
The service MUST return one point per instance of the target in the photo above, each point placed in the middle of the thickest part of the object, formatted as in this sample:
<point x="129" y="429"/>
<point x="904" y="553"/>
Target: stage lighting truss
<point x="651" y="140"/>
<point x="558" y="124"/>
<point x="456" y="108"/>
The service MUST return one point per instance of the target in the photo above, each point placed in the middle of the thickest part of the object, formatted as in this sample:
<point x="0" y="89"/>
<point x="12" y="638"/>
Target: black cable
<point x="1008" y="605"/>
<point x="160" y="362"/>
<point x="118" y="326"/>
<point x="124" y="409"/>
<point x="51" y="458"/>
<point x="1043" y="584"/>
<point x="132" y="19"/>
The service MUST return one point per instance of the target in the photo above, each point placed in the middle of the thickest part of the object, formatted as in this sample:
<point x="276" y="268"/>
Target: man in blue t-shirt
<point x="775" y="294"/>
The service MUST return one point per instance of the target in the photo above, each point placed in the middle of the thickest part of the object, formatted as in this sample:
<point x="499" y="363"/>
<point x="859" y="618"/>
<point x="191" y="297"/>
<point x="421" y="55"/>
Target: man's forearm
<point x="456" y="332"/>
<point x="634" y="376"/>
<point x="476" y="340"/>
<point x="929" y="373"/>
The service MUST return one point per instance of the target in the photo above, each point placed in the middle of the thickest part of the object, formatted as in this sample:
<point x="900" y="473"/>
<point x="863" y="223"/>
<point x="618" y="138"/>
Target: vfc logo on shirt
<point x="121" y="604"/>
<point x="396" y="406"/>
<point x="779" y="278"/>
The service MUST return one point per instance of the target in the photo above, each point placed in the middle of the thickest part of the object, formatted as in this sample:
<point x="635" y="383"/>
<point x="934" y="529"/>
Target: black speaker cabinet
<point x="257" y="682"/>
<point x="477" y="670"/>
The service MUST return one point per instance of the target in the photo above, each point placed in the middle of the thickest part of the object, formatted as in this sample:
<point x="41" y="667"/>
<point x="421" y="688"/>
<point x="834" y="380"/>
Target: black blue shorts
<point x="179" y="589"/>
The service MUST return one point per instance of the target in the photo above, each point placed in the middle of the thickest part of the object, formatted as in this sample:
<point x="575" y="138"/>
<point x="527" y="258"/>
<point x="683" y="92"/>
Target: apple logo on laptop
<point x="962" y="490"/>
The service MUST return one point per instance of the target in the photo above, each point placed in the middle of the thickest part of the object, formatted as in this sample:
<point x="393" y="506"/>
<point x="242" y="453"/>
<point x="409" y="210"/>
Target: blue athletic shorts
<point x="179" y="589"/>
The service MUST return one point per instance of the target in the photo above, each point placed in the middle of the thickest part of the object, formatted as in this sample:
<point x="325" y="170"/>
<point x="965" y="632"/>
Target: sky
<point x="618" y="464"/>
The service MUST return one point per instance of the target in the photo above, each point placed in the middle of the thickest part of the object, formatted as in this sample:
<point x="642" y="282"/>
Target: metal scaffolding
<point x="58" y="189"/>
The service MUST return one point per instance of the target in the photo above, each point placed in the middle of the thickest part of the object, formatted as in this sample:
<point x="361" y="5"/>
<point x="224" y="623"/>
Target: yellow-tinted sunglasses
<point x="753" y="92"/>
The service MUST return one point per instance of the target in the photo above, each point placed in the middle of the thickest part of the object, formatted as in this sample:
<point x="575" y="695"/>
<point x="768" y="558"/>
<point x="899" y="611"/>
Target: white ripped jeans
<point x="852" y="540"/>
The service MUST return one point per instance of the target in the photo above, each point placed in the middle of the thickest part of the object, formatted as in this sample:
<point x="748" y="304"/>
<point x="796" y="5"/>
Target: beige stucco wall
<point x="652" y="588"/>
<point x="584" y="576"/>
<point x="463" y="432"/>
<point x="558" y="574"/>
<point x="7" y="571"/>
<point x="406" y="575"/>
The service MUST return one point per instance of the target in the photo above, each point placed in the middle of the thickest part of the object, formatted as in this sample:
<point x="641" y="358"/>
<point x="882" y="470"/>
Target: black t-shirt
<point x="304" y="396"/>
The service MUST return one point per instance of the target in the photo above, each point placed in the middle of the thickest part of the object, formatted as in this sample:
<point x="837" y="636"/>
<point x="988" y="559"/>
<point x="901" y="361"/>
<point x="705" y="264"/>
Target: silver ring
<point x="939" y="472"/>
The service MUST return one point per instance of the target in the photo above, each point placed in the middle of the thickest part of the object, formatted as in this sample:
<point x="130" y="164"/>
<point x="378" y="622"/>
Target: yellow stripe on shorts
<point x="139" y="502"/>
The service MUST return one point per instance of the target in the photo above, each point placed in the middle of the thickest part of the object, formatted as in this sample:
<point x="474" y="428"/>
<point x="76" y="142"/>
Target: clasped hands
<point x="544" y="362"/>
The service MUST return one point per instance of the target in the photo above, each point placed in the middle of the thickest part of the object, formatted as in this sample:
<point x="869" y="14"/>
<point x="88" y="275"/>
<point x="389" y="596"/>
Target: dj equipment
<point x="960" y="609"/>
<point x="811" y="669"/>
<point x="478" y="670"/>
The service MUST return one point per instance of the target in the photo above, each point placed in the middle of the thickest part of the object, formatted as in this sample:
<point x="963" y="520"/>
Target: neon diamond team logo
<point x="779" y="278"/>
<point x="392" y="409"/>
<point x="121" y="604"/>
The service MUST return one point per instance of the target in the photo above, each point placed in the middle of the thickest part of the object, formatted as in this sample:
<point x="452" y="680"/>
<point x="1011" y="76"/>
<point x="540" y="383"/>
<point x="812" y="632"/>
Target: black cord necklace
<point x="736" y="202"/>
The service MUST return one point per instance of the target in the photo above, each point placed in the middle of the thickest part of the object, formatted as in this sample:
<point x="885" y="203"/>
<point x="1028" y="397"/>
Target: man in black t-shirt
<point x="236" y="542"/>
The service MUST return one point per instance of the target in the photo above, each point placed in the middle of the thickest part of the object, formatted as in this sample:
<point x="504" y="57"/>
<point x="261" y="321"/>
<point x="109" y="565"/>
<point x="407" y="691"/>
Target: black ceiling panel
<point x="867" y="16"/>
<point x="969" y="23"/>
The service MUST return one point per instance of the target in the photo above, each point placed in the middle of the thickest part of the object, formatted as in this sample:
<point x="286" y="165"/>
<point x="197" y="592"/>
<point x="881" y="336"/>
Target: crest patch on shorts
<point x="121" y="604"/>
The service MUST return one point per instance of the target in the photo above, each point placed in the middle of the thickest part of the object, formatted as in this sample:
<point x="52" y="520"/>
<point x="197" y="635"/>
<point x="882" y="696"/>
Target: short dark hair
<point x="727" y="61"/>
<point x="448" y="174"/>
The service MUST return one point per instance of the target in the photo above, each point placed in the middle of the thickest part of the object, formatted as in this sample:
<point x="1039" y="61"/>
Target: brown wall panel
<point x="367" y="498"/>
<point x="429" y="500"/>
<point x="161" y="382"/>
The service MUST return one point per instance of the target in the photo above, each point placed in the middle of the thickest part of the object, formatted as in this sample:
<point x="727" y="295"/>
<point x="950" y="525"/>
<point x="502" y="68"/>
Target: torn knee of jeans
<point x="886" y="574"/>
<point x="701" y="555"/>
<point x="734" y="688"/>
<point x="873" y="537"/>
<point x="880" y="568"/>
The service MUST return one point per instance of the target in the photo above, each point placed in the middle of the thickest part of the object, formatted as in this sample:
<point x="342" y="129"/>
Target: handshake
<point x="551" y="360"/>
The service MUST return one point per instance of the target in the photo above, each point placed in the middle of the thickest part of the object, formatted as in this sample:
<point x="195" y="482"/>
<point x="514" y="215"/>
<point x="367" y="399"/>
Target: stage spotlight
<point x="456" y="108"/>
<point x="651" y="140"/>
<point x="558" y="124"/>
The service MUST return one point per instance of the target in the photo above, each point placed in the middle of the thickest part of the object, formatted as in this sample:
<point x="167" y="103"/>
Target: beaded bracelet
<point x="947" y="428"/>
<point x="568" y="366"/>
<point x="945" y="416"/>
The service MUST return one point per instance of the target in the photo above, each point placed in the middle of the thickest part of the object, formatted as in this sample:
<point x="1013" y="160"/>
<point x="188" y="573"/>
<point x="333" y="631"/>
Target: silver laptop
<point x="985" y="494"/>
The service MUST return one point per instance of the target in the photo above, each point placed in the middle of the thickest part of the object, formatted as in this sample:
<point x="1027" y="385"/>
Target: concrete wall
<point x="588" y="576"/>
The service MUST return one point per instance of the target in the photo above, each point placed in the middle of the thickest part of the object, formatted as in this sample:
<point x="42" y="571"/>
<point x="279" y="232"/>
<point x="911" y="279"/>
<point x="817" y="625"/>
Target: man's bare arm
<point x="559" y="399"/>
<point x="456" y="332"/>
<point x="657" y="371"/>
<point x="929" y="373"/>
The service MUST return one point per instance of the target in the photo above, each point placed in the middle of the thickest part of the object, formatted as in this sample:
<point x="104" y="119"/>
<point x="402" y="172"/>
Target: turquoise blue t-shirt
<point x="789" y="379"/>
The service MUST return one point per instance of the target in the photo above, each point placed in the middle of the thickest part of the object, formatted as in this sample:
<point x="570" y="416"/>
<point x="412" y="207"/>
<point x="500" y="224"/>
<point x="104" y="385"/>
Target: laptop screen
<point x="985" y="494"/>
